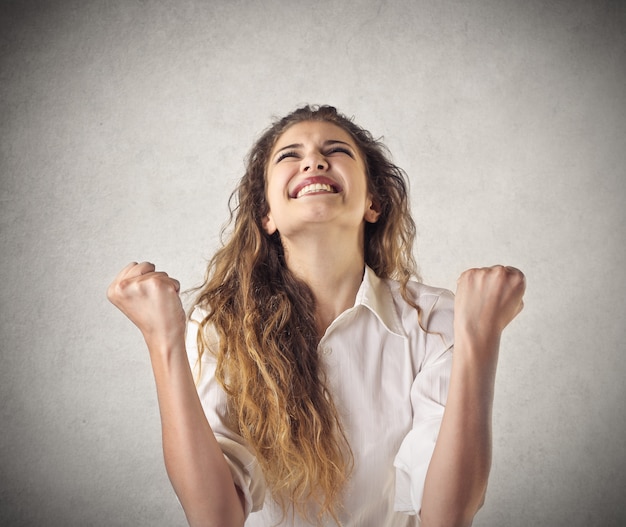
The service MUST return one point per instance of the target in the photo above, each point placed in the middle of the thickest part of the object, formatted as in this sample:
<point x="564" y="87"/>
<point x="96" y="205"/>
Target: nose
<point x="314" y="161"/>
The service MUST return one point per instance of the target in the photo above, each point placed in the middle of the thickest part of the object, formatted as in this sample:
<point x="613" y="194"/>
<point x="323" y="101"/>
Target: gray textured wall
<point x="123" y="128"/>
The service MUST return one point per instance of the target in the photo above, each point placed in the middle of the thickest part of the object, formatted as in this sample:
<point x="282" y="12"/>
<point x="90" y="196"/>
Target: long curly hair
<point x="267" y="359"/>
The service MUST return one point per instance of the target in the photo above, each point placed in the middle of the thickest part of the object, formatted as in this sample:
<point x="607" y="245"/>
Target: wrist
<point x="164" y="349"/>
<point x="476" y="343"/>
<point x="476" y="360"/>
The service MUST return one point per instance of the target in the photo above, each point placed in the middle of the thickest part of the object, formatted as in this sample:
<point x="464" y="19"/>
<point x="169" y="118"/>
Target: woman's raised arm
<point x="193" y="459"/>
<point x="486" y="301"/>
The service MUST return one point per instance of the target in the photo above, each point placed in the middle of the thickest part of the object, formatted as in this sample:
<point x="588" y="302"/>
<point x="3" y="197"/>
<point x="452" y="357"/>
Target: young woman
<point x="315" y="381"/>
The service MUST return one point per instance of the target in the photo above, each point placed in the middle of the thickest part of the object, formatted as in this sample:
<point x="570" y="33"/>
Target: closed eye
<point x="340" y="150"/>
<point x="284" y="155"/>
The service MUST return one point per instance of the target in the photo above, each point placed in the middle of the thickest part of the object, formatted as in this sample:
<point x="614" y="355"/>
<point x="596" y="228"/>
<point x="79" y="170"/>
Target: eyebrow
<point x="326" y="143"/>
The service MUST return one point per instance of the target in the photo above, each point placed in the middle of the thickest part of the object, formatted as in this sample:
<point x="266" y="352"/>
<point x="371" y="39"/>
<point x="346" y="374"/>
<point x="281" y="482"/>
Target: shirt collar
<point x="375" y="295"/>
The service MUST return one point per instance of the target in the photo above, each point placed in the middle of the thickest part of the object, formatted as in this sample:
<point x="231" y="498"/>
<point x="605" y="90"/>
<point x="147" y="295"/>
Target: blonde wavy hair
<point x="267" y="359"/>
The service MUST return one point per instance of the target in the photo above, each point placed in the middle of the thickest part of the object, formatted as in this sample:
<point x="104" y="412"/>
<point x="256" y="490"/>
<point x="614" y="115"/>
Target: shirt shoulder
<point x="435" y="308"/>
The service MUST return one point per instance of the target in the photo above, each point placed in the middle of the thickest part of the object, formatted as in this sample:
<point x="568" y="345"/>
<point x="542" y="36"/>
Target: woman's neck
<point x="332" y="266"/>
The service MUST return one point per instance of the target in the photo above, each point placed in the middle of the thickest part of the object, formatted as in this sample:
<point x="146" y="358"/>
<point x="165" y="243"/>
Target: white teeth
<point x="315" y="187"/>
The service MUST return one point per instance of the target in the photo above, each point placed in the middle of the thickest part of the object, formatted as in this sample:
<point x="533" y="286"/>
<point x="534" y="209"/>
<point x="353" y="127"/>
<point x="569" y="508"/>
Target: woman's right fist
<point x="150" y="299"/>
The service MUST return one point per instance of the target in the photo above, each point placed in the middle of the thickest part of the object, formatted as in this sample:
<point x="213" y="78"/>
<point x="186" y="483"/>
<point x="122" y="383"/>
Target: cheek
<point x="277" y="183"/>
<point x="270" y="198"/>
<point x="269" y="188"/>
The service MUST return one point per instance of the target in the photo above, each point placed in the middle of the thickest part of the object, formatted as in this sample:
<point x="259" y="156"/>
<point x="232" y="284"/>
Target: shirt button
<point x="326" y="350"/>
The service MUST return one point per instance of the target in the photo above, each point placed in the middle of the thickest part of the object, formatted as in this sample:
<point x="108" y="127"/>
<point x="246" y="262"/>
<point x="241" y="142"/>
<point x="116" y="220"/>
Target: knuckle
<point x="517" y="275"/>
<point x="499" y="269"/>
<point x="464" y="276"/>
<point x="122" y="285"/>
<point x="110" y="292"/>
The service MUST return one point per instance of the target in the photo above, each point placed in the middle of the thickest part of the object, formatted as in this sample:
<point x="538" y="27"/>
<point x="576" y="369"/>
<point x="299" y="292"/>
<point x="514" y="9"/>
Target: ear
<point x="372" y="212"/>
<point x="268" y="224"/>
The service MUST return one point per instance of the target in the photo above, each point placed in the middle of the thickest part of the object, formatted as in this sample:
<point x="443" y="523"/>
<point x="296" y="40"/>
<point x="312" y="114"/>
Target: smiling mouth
<point x="316" y="188"/>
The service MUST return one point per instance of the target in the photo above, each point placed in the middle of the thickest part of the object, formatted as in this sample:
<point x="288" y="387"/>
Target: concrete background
<point x="123" y="130"/>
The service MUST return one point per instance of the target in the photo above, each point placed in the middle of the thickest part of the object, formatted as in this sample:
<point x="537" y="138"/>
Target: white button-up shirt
<point x="388" y="374"/>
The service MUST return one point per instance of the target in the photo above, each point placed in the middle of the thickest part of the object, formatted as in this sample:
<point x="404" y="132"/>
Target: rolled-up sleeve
<point x="244" y="467"/>
<point x="429" y="393"/>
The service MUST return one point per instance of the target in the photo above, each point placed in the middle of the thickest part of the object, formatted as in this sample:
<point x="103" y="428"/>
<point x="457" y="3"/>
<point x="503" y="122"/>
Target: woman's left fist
<point x="488" y="298"/>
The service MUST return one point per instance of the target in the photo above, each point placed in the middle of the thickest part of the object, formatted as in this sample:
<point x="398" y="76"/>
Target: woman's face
<point x="316" y="179"/>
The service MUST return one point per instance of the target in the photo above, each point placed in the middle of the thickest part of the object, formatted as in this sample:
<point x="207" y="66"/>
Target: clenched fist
<point x="487" y="299"/>
<point x="150" y="299"/>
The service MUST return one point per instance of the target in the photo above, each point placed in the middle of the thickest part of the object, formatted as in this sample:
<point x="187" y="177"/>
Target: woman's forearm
<point x="486" y="301"/>
<point x="193" y="458"/>
<point x="459" y="470"/>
